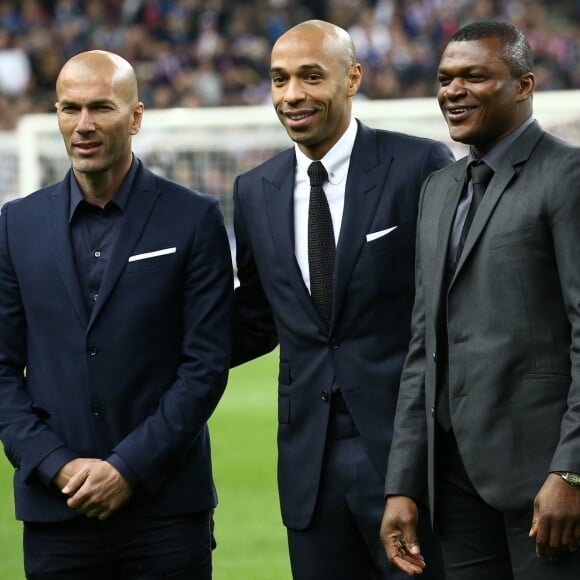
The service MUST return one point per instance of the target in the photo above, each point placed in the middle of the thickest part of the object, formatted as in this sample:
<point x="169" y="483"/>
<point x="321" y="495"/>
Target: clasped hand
<point x="93" y="486"/>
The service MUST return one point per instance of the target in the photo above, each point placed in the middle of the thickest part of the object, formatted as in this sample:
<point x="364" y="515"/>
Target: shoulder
<point x="397" y="141"/>
<point x="282" y="161"/>
<point x="30" y="202"/>
<point x="179" y="194"/>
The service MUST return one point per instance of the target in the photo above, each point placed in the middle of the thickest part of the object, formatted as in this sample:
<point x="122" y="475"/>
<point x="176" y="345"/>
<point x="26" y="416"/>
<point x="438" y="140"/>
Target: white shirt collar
<point x="336" y="161"/>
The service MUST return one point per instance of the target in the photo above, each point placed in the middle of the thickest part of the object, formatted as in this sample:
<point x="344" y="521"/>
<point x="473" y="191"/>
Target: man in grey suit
<point x="489" y="405"/>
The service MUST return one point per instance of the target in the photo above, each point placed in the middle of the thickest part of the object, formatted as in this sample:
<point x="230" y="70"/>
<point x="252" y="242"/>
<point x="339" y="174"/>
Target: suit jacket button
<point x="96" y="411"/>
<point x="324" y="396"/>
<point x="333" y="342"/>
<point x="432" y="411"/>
<point x="434" y="355"/>
<point x="92" y="351"/>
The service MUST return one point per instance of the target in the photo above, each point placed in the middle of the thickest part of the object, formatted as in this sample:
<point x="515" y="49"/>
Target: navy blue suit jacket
<point x="365" y="345"/>
<point x="139" y="378"/>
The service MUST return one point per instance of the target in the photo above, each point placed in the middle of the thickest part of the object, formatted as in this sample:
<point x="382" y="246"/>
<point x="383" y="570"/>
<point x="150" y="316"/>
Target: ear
<point x="354" y="79"/>
<point x="136" y="118"/>
<point x="526" y="84"/>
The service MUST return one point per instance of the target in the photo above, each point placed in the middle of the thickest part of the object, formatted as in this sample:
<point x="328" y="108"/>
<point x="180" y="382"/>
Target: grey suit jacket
<point x="513" y="326"/>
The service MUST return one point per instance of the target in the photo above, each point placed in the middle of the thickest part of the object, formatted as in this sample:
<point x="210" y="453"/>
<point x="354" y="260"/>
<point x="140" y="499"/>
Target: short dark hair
<point x="516" y="52"/>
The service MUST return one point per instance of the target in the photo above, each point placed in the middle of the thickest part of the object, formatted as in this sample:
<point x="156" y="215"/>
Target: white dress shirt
<point x="336" y="163"/>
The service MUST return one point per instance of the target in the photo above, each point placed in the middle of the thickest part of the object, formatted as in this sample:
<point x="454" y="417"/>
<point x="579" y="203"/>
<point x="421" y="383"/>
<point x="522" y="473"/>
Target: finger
<point x="75" y="482"/>
<point x="403" y="558"/>
<point x="554" y="547"/>
<point x="534" y="528"/>
<point x="541" y="540"/>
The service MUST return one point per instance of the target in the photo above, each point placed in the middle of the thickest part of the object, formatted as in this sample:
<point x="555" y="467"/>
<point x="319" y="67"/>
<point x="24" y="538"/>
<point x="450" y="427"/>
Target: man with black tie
<point x="489" y="404"/>
<point x="325" y="249"/>
<point x="116" y="320"/>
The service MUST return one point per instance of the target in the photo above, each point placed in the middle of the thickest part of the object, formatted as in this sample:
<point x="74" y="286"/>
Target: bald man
<point x="115" y="342"/>
<point x="343" y="336"/>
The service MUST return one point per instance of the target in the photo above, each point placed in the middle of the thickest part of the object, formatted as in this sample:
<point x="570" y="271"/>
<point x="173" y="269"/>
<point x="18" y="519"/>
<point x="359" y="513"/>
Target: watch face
<point x="572" y="478"/>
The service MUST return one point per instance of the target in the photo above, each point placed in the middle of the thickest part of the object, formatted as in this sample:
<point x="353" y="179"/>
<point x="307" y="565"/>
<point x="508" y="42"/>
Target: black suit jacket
<point x="365" y="345"/>
<point x="142" y="375"/>
<point x="513" y="327"/>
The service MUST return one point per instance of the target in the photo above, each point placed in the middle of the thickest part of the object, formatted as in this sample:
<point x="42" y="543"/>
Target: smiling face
<point x="98" y="112"/>
<point x="480" y="99"/>
<point x="314" y="78"/>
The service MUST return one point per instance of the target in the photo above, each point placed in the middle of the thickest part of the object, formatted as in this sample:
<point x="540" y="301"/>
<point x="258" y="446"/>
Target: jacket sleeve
<point x="255" y="332"/>
<point x="27" y="439"/>
<point x="189" y="401"/>
<point x="407" y="467"/>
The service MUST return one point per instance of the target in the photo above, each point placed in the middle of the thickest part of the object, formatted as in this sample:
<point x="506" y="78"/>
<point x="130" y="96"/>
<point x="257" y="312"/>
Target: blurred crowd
<point x="203" y="53"/>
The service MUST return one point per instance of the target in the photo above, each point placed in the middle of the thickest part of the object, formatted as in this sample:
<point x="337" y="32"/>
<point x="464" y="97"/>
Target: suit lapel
<point x="518" y="154"/>
<point x="367" y="175"/>
<point x="279" y="203"/>
<point x="58" y="204"/>
<point x="135" y="216"/>
<point x="448" y="209"/>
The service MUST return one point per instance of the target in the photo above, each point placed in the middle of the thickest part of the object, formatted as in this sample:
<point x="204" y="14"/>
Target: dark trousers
<point x="342" y="542"/>
<point x="479" y="542"/>
<point x="122" y="548"/>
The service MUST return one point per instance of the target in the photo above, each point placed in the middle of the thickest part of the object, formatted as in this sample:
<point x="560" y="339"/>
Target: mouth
<point x="458" y="113"/>
<point x="86" y="147"/>
<point x="297" y="119"/>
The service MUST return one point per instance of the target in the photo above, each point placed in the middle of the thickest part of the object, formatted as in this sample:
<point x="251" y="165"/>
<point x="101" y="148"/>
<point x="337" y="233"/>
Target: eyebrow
<point x="302" y="68"/>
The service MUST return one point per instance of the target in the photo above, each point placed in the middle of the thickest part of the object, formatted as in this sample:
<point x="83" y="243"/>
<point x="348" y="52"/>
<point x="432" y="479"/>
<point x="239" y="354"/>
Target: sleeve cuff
<point x="53" y="463"/>
<point x="121" y="466"/>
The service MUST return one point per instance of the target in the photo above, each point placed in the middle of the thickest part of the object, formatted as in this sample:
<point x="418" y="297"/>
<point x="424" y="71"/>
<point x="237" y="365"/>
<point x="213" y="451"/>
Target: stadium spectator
<point x="399" y="42"/>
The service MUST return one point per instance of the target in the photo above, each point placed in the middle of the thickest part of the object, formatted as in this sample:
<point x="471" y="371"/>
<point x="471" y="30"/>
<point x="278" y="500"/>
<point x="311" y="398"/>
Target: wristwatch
<point x="570" y="478"/>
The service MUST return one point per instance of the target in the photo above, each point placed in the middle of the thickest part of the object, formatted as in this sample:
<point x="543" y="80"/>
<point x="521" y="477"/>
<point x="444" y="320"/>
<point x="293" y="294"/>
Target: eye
<point x="313" y="77"/>
<point x="278" y="79"/>
<point x="475" y="78"/>
<point x="443" y="81"/>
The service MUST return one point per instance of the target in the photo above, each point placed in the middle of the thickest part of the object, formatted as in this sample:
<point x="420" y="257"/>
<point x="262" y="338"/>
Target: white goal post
<point x="205" y="148"/>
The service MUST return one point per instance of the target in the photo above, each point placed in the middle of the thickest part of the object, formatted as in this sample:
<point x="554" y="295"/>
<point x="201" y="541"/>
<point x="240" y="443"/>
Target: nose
<point x="85" y="123"/>
<point x="454" y="88"/>
<point x="294" y="91"/>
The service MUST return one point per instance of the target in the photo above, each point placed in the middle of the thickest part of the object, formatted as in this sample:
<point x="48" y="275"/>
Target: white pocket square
<point x="376" y="235"/>
<point x="154" y="254"/>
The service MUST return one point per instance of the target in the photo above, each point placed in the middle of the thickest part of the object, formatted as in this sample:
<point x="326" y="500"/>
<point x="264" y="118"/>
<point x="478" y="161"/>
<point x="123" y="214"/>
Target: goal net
<point x="206" y="148"/>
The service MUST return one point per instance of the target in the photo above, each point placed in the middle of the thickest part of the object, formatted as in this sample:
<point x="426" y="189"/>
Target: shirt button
<point x="97" y="254"/>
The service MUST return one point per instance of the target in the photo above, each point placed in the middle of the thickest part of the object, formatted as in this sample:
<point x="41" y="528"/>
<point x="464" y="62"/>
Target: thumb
<point x="534" y="529"/>
<point x="411" y="541"/>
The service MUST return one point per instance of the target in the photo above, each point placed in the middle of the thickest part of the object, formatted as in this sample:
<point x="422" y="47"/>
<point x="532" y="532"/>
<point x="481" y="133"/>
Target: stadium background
<point x="200" y="56"/>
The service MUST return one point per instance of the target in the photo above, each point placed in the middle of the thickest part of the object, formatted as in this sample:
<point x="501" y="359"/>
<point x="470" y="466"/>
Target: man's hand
<point x="556" y="520"/>
<point x="70" y="469"/>
<point x="94" y="487"/>
<point x="399" y="535"/>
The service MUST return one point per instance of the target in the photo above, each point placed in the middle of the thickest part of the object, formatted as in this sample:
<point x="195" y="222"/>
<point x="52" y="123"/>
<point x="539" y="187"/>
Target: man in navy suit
<point x="339" y="363"/>
<point x="116" y="327"/>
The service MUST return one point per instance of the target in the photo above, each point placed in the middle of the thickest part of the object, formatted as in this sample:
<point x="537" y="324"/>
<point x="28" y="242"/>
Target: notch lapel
<point x="517" y="155"/>
<point x="448" y="209"/>
<point x="58" y="209"/>
<point x="364" y="185"/>
<point x="134" y="220"/>
<point x="278" y="195"/>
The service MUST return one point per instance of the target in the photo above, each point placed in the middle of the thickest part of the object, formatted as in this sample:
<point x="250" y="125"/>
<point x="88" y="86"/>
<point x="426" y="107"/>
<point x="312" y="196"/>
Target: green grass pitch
<point x="250" y="535"/>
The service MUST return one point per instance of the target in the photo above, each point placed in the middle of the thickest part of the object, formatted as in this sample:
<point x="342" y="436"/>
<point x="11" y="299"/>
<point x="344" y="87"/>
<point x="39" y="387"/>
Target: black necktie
<point x="480" y="177"/>
<point x="321" y="245"/>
